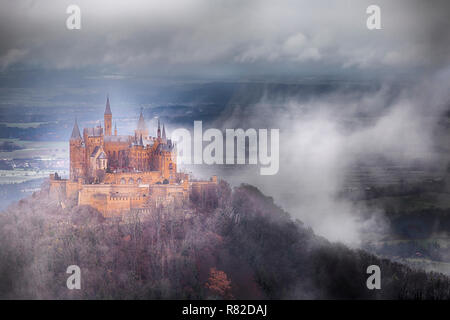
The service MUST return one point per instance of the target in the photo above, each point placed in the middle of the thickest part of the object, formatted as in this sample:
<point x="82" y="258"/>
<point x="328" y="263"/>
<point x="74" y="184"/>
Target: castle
<point x="120" y="173"/>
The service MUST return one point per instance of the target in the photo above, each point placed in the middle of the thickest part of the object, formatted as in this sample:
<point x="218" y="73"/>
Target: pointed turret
<point x="108" y="118"/>
<point x="141" y="126"/>
<point x="75" y="132"/>
<point x="164" y="132"/>
<point x="76" y="153"/>
<point x="108" y="108"/>
<point x="141" y="123"/>
<point x="159" y="130"/>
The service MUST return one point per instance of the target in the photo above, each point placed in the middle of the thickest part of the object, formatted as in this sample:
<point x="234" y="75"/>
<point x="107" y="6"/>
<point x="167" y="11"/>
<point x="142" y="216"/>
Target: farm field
<point x="21" y="175"/>
<point x="49" y="150"/>
<point x="23" y="125"/>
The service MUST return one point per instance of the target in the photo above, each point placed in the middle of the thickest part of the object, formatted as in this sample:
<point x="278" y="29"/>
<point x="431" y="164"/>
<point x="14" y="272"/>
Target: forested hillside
<point x="238" y="245"/>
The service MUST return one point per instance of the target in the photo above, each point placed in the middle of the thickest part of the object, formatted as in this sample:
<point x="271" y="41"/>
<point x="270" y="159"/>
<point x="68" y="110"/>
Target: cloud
<point x="296" y="48"/>
<point x="326" y="138"/>
<point x="196" y="35"/>
<point x="11" y="57"/>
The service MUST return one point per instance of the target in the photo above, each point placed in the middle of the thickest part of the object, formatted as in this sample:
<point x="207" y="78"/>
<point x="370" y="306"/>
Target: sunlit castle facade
<point x="116" y="173"/>
<point x="98" y="153"/>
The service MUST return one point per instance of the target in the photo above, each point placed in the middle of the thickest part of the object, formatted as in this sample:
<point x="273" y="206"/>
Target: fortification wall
<point x="167" y="194"/>
<point x="134" y="178"/>
<point x="72" y="188"/>
<point x="113" y="199"/>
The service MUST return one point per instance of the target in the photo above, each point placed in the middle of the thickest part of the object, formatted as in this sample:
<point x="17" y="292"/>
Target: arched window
<point x="122" y="181"/>
<point x="131" y="181"/>
<point x="139" y="181"/>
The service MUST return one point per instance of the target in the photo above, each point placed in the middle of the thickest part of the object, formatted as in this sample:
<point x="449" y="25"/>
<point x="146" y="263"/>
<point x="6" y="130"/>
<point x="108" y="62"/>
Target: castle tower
<point x="141" y="129"/>
<point x="77" y="154"/>
<point x="108" y="118"/>
<point x="159" y="130"/>
<point x="115" y="128"/>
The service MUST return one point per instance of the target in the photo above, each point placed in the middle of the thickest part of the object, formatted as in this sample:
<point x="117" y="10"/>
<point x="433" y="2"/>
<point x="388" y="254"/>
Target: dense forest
<point x="237" y="244"/>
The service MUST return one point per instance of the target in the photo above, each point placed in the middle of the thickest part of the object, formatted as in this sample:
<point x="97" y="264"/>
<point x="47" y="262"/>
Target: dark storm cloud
<point x="433" y="17"/>
<point x="223" y="37"/>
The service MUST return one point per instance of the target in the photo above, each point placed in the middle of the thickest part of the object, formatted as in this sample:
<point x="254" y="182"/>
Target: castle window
<point x="131" y="181"/>
<point x="139" y="181"/>
<point x="122" y="181"/>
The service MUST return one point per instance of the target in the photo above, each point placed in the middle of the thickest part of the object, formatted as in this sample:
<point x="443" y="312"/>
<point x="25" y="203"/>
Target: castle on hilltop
<point x="118" y="173"/>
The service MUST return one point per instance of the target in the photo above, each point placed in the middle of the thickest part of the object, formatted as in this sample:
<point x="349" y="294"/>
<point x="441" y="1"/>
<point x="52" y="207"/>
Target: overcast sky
<point x="235" y="39"/>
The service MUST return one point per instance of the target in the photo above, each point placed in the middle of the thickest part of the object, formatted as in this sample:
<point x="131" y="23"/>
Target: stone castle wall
<point x="116" y="199"/>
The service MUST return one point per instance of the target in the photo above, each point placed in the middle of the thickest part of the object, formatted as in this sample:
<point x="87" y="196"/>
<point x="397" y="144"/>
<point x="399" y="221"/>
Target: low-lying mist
<point x="324" y="137"/>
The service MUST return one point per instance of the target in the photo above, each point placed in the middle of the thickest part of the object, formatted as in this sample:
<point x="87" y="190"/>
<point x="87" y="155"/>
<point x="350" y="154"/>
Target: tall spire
<point x="159" y="129"/>
<point x="108" y="118"/>
<point x="108" y="108"/>
<point x="141" y="123"/>
<point x="164" y="132"/>
<point x="75" y="132"/>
